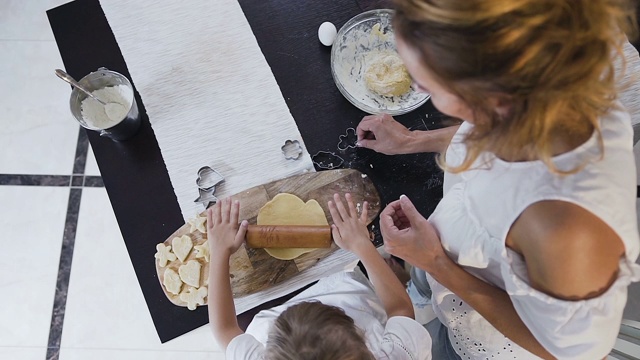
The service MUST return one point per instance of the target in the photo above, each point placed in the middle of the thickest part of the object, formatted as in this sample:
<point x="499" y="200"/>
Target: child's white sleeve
<point x="404" y="338"/>
<point x="243" y="347"/>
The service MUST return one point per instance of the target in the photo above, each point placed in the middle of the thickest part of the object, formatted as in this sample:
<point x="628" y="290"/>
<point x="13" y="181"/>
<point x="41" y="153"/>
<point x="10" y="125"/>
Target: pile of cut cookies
<point x="186" y="264"/>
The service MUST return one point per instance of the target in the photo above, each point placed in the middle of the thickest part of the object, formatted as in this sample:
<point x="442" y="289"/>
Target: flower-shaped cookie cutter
<point x="327" y="160"/>
<point x="291" y="149"/>
<point x="207" y="180"/>
<point x="348" y="140"/>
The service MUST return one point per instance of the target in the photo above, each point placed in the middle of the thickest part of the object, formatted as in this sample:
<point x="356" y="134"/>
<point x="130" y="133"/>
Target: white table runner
<point x="212" y="100"/>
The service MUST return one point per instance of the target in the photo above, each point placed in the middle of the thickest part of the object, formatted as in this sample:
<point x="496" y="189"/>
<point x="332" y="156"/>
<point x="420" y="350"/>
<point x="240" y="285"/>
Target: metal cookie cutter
<point x="207" y="180"/>
<point x="291" y="149"/>
<point x="327" y="160"/>
<point x="348" y="140"/>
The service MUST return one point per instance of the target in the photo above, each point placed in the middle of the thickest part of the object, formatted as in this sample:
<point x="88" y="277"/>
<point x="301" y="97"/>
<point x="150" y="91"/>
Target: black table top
<point x="134" y="173"/>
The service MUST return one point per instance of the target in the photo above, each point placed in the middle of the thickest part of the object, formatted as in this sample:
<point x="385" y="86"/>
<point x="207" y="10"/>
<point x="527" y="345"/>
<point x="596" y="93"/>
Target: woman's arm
<point x="350" y="233"/>
<point x="225" y="236"/>
<point x="385" y="135"/>
<point x="411" y="237"/>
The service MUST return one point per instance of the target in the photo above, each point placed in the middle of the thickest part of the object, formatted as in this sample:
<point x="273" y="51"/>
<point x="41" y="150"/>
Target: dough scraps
<point x="194" y="297"/>
<point x="172" y="281"/>
<point x="387" y="75"/>
<point x="288" y="209"/>
<point x="198" y="223"/>
<point x="164" y="254"/>
<point x="182" y="246"/>
<point x="202" y="251"/>
<point x="190" y="273"/>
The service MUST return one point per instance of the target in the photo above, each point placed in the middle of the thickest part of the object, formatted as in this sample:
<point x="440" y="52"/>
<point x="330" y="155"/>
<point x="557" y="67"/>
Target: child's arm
<point x="225" y="237"/>
<point x="350" y="233"/>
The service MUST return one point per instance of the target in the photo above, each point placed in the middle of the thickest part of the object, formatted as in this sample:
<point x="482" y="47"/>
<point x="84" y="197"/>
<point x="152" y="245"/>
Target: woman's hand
<point x="409" y="236"/>
<point x="224" y="233"/>
<point x="349" y="231"/>
<point x="383" y="134"/>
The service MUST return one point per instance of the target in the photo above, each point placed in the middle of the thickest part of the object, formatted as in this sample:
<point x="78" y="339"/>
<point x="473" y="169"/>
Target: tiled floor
<point x="89" y="305"/>
<point x="72" y="293"/>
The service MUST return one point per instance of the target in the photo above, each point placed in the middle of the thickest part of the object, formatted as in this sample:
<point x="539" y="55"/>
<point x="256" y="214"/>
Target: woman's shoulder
<point x="570" y="253"/>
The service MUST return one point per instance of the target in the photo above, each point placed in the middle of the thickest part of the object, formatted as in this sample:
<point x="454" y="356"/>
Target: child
<point x="343" y="316"/>
<point x="531" y="249"/>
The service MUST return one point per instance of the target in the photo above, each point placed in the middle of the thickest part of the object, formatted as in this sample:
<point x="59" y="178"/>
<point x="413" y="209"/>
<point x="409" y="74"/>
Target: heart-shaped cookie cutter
<point x="207" y="180"/>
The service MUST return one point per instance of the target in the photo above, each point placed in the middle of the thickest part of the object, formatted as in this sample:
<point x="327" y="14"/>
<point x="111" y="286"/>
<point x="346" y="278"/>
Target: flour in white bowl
<point x="98" y="116"/>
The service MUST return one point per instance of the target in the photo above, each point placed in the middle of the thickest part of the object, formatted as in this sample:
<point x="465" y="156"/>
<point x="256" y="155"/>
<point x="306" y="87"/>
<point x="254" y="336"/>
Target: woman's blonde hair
<point x="549" y="61"/>
<point x="314" y="331"/>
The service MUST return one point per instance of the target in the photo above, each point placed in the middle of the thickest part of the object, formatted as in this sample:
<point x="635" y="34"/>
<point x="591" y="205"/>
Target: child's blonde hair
<point x="549" y="61"/>
<point x="314" y="331"/>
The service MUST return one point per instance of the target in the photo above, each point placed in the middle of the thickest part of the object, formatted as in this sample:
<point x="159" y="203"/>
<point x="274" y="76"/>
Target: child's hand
<point x="224" y="233"/>
<point x="349" y="231"/>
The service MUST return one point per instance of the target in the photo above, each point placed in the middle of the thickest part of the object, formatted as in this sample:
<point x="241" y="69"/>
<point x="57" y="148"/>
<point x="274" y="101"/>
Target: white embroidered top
<point x="473" y="220"/>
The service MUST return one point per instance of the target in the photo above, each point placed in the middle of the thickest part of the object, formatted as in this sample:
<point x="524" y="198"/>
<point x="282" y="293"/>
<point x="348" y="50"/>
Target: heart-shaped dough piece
<point x="172" y="281"/>
<point x="182" y="246"/>
<point x="190" y="273"/>
<point x="194" y="297"/>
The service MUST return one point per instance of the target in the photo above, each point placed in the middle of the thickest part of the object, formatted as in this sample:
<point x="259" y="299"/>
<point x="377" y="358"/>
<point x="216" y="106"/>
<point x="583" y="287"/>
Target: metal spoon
<point x="68" y="78"/>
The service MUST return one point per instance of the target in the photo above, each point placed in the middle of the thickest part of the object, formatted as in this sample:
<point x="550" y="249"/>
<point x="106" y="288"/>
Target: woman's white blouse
<point x="473" y="219"/>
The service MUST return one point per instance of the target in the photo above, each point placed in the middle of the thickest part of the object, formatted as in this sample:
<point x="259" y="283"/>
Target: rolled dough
<point x="288" y="209"/>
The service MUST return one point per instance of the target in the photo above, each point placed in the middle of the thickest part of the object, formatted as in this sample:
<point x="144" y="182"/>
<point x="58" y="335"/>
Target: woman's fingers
<point x="350" y="205"/>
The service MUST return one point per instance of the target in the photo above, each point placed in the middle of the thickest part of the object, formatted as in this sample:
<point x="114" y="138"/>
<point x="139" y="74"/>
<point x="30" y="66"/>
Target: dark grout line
<point x="93" y="181"/>
<point x="81" y="153"/>
<point x="64" y="272"/>
<point x="35" y="180"/>
<point x="68" y="242"/>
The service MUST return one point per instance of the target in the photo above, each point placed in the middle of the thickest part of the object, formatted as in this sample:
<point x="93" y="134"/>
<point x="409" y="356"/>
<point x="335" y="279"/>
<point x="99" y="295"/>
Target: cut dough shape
<point x="288" y="209"/>
<point x="172" y="281"/>
<point x="202" y="251"/>
<point x="190" y="273"/>
<point x="182" y="246"/>
<point x="194" y="297"/>
<point x="164" y="254"/>
<point x="198" y="223"/>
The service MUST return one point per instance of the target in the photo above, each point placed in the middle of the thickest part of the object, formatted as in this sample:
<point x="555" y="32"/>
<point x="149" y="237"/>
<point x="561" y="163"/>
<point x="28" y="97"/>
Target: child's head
<point x="314" y="331"/>
<point x="526" y="69"/>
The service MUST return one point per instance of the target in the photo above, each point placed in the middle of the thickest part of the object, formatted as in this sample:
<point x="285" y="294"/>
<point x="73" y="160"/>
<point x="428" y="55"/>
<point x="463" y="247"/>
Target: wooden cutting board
<point x="252" y="270"/>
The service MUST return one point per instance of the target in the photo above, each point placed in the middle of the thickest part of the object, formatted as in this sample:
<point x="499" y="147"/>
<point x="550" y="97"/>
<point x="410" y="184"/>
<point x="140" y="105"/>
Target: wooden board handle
<point x="288" y="236"/>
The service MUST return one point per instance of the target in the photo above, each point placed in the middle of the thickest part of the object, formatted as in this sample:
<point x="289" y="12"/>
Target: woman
<point x="530" y="252"/>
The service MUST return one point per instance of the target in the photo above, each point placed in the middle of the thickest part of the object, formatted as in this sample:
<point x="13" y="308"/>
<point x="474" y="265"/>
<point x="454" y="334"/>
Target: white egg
<point x="327" y="33"/>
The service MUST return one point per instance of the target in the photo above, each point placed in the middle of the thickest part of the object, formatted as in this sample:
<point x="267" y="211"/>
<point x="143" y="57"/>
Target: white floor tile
<point x="92" y="166"/>
<point x="39" y="134"/>
<point x="26" y="19"/>
<point x="32" y="222"/>
<point x="102" y="279"/>
<point x="109" y="354"/>
<point x="23" y="353"/>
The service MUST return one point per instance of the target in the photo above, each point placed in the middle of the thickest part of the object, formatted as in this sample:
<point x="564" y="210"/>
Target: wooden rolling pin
<point x="288" y="236"/>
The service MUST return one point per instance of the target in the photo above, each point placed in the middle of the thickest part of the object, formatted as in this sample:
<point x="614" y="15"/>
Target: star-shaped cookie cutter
<point x="207" y="180"/>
